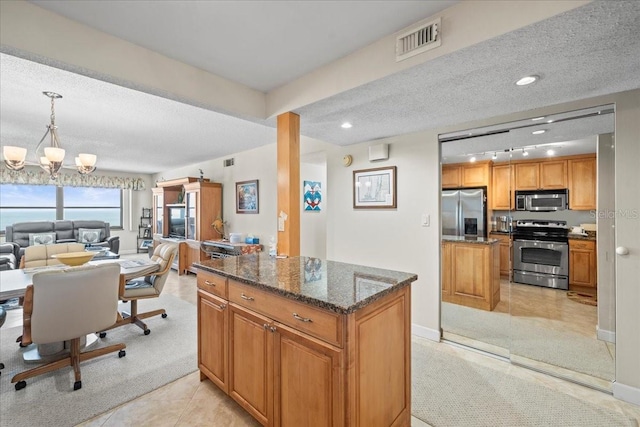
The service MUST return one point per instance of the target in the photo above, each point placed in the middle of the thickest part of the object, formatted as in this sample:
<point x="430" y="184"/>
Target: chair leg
<point x="126" y="318"/>
<point x="74" y="358"/>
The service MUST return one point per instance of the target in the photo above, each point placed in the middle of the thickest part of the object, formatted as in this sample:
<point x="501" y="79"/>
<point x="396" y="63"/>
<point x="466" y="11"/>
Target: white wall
<point x="394" y="239"/>
<point x="313" y="224"/>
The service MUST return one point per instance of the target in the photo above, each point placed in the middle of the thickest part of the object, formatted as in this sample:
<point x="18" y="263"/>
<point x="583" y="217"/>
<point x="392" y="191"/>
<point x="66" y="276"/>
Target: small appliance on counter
<point x="503" y="223"/>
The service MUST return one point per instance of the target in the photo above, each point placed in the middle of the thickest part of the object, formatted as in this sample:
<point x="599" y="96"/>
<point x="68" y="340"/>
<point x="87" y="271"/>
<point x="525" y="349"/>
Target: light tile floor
<point x="190" y="402"/>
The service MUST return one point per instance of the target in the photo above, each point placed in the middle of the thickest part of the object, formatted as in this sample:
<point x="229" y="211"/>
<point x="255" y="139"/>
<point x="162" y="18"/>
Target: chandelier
<point x="50" y="157"/>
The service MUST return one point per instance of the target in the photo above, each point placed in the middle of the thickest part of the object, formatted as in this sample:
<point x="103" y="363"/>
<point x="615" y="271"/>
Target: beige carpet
<point x="450" y="391"/>
<point x="165" y="355"/>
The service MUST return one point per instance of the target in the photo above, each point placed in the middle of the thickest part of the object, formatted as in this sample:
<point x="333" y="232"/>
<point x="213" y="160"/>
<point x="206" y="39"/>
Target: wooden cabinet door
<point x="501" y="183"/>
<point x="553" y="175"/>
<point x="475" y="175"/>
<point x="212" y="338"/>
<point x="582" y="183"/>
<point x="251" y="363"/>
<point x="527" y="176"/>
<point x="158" y="211"/>
<point x="308" y="373"/>
<point x="451" y="176"/>
<point x="193" y="254"/>
<point x="446" y="271"/>
<point x="505" y="253"/>
<point x="582" y="263"/>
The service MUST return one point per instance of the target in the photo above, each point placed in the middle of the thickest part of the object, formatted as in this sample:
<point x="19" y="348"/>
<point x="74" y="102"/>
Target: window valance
<point x="8" y="176"/>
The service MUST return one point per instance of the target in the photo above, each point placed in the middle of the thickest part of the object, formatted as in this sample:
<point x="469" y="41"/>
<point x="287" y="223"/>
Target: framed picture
<point x="247" y="198"/>
<point x="374" y="188"/>
<point x="312" y="195"/>
<point x="146" y="212"/>
<point x="147" y="233"/>
<point x="146" y="244"/>
<point x="365" y="286"/>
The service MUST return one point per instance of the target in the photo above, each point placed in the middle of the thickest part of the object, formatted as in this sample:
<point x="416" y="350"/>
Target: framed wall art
<point x="374" y="188"/>
<point x="312" y="195"/>
<point x="247" y="197"/>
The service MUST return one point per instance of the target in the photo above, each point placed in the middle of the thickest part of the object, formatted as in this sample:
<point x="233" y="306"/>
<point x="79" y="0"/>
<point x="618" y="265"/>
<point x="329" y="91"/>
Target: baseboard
<point x="423" y="332"/>
<point x="626" y="393"/>
<point x="604" y="335"/>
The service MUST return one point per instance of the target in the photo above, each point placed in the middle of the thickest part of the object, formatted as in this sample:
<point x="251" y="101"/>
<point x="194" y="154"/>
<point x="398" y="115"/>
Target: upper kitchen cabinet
<point x="451" y="176"/>
<point x="501" y="180"/>
<point x="582" y="183"/>
<point x="545" y="175"/>
<point x="466" y="175"/>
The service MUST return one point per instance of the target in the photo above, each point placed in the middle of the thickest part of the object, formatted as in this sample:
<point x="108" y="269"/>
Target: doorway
<point x="569" y="332"/>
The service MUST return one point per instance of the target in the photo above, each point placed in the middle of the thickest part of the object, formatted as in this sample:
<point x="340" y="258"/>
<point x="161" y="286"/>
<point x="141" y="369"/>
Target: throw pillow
<point x="36" y="239"/>
<point x="89" y="235"/>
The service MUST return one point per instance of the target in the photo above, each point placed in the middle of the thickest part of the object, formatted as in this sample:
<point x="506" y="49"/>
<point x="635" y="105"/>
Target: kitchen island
<point x="307" y="342"/>
<point x="471" y="271"/>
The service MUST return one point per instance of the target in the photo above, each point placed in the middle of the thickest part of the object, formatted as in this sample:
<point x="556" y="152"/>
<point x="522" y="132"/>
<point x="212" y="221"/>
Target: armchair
<point x="66" y="305"/>
<point x="148" y="287"/>
<point x="8" y="256"/>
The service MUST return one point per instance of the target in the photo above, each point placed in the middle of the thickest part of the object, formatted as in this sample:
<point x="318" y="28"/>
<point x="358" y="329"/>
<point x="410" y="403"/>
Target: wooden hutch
<point x="201" y="203"/>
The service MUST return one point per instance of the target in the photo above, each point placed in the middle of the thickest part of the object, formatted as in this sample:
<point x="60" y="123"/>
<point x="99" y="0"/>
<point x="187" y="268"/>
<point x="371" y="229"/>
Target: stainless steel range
<point x="541" y="253"/>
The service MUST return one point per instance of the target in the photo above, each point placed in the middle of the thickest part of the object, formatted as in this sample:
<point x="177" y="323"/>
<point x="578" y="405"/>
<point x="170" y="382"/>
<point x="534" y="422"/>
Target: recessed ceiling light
<point x="527" y="80"/>
<point x="550" y="152"/>
<point x="537" y="118"/>
<point x="549" y="121"/>
<point x="538" y="132"/>
<point x="346" y="125"/>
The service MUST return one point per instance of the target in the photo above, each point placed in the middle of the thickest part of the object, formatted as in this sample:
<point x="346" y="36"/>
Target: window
<point x="20" y="203"/>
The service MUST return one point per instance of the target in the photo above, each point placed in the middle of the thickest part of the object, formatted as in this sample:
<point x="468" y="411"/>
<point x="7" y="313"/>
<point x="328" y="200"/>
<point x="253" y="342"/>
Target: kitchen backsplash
<point x="572" y="217"/>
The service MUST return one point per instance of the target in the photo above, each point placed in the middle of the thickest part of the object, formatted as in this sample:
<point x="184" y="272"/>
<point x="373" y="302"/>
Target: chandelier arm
<point x="40" y="143"/>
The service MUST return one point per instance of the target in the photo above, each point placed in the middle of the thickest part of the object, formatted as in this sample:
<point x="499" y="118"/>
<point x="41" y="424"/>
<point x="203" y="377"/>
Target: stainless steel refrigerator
<point x="464" y="212"/>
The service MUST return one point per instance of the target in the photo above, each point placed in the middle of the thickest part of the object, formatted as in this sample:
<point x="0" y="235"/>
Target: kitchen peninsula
<point x="471" y="271"/>
<point x="303" y="341"/>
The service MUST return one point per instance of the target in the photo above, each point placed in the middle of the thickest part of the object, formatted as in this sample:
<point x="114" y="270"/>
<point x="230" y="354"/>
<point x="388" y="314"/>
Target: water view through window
<point x="21" y="203"/>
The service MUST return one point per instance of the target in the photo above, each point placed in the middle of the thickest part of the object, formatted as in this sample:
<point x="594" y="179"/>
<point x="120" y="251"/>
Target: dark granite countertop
<point x="591" y="237"/>
<point x="464" y="239"/>
<point x="335" y="286"/>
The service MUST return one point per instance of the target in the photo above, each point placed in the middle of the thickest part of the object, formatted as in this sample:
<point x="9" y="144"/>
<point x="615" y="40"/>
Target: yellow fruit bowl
<point x="74" y="259"/>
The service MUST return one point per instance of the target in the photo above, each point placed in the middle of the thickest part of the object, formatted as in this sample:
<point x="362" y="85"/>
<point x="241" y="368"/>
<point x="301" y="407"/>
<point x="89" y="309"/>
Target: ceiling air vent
<point x="417" y="39"/>
<point x="228" y="162"/>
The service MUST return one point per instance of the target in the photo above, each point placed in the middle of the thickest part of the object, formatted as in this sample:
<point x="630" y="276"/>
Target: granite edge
<point x="308" y="300"/>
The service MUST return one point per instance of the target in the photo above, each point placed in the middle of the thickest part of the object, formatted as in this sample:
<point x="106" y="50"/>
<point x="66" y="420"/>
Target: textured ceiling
<point x="261" y="44"/>
<point x="588" y="51"/>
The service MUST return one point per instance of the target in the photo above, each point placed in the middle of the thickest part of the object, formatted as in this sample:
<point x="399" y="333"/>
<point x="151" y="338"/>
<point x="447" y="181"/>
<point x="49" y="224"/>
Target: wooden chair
<point x="148" y="287"/>
<point x="66" y="305"/>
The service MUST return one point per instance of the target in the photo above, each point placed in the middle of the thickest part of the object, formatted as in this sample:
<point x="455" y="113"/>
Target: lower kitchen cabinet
<point x="291" y="364"/>
<point x="505" y="253"/>
<point x="582" y="263"/>
<point x="473" y="274"/>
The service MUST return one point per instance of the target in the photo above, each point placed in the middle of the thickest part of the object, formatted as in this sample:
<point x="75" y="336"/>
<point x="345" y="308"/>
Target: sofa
<point x="91" y="233"/>
<point x="8" y="257"/>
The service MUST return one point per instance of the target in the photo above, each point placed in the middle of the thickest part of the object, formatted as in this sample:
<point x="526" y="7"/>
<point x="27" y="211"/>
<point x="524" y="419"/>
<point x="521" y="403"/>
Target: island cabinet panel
<point x="296" y="363"/>
<point x="473" y="273"/>
<point x="212" y="335"/>
<point x="446" y="271"/>
<point x="505" y="253"/>
<point x="382" y="399"/>
<point x="251" y="363"/>
<point x="309" y="387"/>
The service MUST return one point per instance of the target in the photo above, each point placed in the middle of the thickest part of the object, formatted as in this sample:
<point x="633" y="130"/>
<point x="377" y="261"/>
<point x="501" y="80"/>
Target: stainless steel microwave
<point x="542" y="200"/>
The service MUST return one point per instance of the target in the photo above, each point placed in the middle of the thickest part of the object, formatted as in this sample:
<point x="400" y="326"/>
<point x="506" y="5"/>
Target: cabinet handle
<point x="273" y="328"/>
<point x="206" y="282"/>
<point x="221" y="306"/>
<point x="265" y="326"/>
<point x="300" y="318"/>
<point x="243" y="296"/>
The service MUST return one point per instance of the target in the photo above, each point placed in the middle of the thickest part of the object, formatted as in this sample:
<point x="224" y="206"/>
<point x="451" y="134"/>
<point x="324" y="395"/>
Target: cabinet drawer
<point x="213" y="283"/>
<point x="316" y="322"/>
<point x="582" y="244"/>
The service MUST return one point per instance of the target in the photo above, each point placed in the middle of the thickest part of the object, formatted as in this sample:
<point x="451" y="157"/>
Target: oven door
<point x="541" y="257"/>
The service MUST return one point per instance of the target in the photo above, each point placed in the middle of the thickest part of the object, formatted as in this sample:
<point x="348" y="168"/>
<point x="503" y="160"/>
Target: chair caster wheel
<point x="102" y="334"/>
<point x="22" y="345"/>
<point x="1" y="365"/>
<point x="147" y="331"/>
<point x="77" y="385"/>
<point x="164" y="315"/>
<point x="122" y="353"/>
<point x="20" y="385"/>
